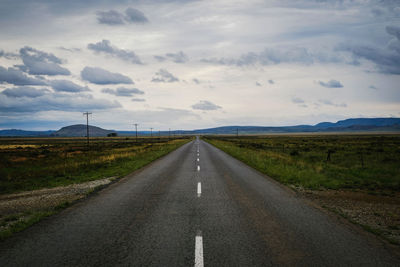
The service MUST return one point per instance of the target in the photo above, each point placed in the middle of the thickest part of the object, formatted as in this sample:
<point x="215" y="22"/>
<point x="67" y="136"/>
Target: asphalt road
<point x="196" y="206"/>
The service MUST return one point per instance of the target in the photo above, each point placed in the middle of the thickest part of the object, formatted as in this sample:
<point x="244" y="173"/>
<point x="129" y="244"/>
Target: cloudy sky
<point x="194" y="64"/>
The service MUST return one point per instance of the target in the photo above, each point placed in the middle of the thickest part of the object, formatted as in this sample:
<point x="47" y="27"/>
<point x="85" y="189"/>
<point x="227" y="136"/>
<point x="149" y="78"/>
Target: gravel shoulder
<point x="379" y="214"/>
<point x="19" y="209"/>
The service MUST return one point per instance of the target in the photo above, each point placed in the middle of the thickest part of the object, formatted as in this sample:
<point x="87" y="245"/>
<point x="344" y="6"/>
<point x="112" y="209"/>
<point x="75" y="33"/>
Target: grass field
<point x="33" y="163"/>
<point x="362" y="162"/>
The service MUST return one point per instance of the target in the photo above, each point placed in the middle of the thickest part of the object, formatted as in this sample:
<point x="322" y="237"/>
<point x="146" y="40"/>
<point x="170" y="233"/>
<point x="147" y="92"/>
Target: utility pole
<point x="169" y="133"/>
<point x="151" y="132"/>
<point x="87" y="126"/>
<point x="237" y="132"/>
<point x="136" y="129"/>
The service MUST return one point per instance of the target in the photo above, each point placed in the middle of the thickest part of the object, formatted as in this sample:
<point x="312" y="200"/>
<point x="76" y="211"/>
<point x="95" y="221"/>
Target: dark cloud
<point x="271" y="82"/>
<point x="17" y="77"/>
<point x="258" y="84"/>
<point x="24" y="91"/>
<point x="8" y="55"/>
<point x="61" y="102"/>
<point x="179" y="57"/>
<point x="330" y="103"/>
<point x="102" y="76"/>
<point x="67" y="86"/>
<point x="111" y="17"/>
<point x="331" y="84"/>
<point x="41" y="63"/>
<point x="205" y="105"/>
<point x="164" y="76"/>
<point x="138" y="100"/>
<point x="106" y="47"/>
<point x="122" y="91"/>
<point x="297" y="100"/>
<point x="387" y="60"/>
<point x="160" y="58"/>
<point x="276" y="55"/>
<point x="74" y="49"/>
<point x="373" y="87"/>
<point x="135" y="16"/>
<point x="393" y="30"/>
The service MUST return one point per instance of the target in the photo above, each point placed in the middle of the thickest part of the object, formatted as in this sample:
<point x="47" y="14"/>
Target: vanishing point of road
<point x="197" y="206"/>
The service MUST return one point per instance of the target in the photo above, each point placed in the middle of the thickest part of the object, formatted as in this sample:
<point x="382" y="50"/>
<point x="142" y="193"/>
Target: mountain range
<point x="348" y="125"/>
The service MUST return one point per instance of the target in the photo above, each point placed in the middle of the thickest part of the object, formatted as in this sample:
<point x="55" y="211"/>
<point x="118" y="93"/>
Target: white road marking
<point x="198" y="189"/>
<point x="198" y="168"/>
<point x="198" y="159"/>
<point x="198" y="251"/>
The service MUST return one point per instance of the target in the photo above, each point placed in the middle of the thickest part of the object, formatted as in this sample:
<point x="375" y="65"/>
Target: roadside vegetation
<point x="355" y="176"/>
<point x="28" y="164"/>
<point x="368" y="162"/>
<point x="65" y="170"/>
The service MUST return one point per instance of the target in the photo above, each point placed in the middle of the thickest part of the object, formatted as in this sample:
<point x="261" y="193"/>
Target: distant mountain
<point x="349" y="125"/>
<point x="78" y="130"/>
<point x="15" y="132"/>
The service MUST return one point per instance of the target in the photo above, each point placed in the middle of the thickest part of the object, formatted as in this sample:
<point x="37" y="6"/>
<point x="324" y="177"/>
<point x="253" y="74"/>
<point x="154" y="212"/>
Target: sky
<point x="196" y="64"/>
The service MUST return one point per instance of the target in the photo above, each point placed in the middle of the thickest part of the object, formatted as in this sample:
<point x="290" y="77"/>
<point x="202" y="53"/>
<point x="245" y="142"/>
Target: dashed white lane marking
<point x="198" y="159"/>
<point x="199" y="189"/>
<point x="198" y="251"/>
<point x="198" y="168"/>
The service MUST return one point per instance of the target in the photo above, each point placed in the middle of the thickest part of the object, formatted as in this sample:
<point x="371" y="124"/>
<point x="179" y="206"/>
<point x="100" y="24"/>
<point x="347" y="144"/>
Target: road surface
<point x="196" y="206"/>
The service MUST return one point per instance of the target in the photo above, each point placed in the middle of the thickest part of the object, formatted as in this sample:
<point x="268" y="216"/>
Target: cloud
<point x="61" y="102"/>
<point x="122" y="91"/>
<point x="138" y="100"/>
<point x="74" y="49"/>
<point x="41" y="63"/>
<point x="111" y="17"/>
<point x="393" y="30"/>
<point x="8" y="55"/>
<point x="297" y="100"/>
<point x="258" y="84"/>
<point x="387" y="59"/>
<point x="106" y="47"/>
<point x="276" y="55"/>
<point x="17" y="77"/>
<point x="135" y="16"/>
<point x="271" y="82"/>
<point x="196" y="81"/>
<point x="330" y="103"/>
<point x="160" y="58"/>
<point x="102" y="76"/>
<point x="331" y="84"/>
<point x="67" y="86"/>
<point x="179" y="57"/>
<point x="373" y="87"/>
<point x="164" y="76"/>
<point x="24" y="91"/>
<point x="205" y="105"/>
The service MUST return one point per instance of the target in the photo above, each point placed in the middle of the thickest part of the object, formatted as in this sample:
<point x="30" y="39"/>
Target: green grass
<point x="16" y="223"/>
<point x="367" y="162"/>
<point x="28" y="164"/>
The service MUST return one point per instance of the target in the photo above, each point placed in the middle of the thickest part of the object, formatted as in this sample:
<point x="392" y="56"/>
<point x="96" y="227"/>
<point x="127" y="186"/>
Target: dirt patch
<point x="21" y="207"/>
<point x="377" y="213"/>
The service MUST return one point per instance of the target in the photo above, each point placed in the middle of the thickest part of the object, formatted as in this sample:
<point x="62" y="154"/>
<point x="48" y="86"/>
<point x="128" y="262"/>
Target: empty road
<point x="196" y="206"/>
